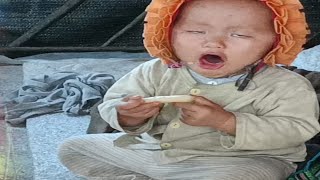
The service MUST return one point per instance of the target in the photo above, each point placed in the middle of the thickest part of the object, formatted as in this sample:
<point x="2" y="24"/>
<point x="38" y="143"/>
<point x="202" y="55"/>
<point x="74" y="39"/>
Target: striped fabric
<point x="95" y="157"/>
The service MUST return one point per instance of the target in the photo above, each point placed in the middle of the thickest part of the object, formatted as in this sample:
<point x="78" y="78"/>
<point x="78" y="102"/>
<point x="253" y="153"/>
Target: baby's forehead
<point x="227" y="26"/>
<point x="229" y="13"/>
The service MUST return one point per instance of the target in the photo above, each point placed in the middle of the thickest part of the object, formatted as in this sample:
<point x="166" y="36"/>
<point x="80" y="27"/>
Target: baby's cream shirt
<point x="275" y="115"/>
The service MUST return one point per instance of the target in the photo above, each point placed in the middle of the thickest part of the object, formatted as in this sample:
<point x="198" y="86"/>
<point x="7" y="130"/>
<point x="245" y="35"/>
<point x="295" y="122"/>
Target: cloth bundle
<point x="69" y="92"/>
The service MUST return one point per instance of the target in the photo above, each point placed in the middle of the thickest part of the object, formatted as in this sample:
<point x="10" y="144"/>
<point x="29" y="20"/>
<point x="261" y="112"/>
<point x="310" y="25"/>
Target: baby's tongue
<point x="212" y="59"/>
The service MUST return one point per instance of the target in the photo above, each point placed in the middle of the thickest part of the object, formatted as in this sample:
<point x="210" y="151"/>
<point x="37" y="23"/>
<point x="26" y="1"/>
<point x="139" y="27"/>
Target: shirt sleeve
<point x="138" y="82"/>
<point x="281" y="122"/>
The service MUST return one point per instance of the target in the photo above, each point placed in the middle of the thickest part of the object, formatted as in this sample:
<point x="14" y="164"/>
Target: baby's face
<point x="218" y="38"/>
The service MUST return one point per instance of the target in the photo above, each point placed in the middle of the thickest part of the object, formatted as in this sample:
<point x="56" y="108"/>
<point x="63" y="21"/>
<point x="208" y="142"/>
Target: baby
<point x="248" y="119"/>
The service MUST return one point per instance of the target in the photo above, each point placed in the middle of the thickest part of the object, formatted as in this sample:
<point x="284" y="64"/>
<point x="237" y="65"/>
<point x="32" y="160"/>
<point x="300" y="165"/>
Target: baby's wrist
<point x="229" y="124"/>
<point x="130" y="122"/>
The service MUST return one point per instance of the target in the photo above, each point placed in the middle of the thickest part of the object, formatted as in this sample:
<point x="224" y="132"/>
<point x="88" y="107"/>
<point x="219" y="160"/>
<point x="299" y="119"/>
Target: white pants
<point x="94" y="157"/>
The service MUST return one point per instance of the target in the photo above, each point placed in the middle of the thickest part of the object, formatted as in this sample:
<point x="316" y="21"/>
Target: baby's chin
<point x="219" y="73"/>
<point x="223" y="72"/>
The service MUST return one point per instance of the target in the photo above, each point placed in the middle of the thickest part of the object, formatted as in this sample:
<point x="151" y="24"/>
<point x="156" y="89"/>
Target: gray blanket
<point x="66" y="92"/>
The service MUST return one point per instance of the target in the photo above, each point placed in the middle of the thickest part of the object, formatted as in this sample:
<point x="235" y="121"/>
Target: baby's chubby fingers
<point x="144" y="113"/>
<point x="199" y="100"/>
<point x="187" y="106"/>
<point x="197" y="103"/>
<point x="151" y="112"/>
<point x="130" y="102"/>
<point x="145" y="107"/>
<point x="135" y="106"/>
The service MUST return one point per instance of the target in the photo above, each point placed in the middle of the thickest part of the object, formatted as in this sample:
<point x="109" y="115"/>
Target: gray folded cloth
<point x="97" y="124"/>
<point x="67" y="92"/>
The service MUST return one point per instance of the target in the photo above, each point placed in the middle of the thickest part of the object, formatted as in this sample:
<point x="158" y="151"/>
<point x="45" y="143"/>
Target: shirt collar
<point x="213" y="81"/>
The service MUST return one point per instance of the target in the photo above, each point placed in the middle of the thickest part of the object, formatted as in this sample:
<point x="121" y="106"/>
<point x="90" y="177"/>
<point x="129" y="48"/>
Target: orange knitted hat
<point x="289" y="22"/>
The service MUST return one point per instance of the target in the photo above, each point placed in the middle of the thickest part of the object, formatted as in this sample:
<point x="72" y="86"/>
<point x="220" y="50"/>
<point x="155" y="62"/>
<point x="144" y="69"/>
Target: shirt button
<point x="166" y="145"/>
<point x="175" y="125"/>
<point x="213" y="82"/>
<point x="195" y="91"/>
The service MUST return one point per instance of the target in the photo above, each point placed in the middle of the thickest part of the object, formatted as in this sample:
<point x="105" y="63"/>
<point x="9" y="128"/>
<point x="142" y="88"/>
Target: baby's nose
<point x="214" y="41"/>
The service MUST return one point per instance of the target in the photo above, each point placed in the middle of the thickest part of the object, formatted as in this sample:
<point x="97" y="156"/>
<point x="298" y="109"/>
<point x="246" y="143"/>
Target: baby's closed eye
<point x="240" y="35"/>
<point x="195" y="31"/>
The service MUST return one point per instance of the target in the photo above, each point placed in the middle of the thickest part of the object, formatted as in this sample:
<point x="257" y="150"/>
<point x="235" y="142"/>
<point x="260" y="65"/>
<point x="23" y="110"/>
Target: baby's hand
<point x="203" y="112"/>
<point x="133" y="111"/>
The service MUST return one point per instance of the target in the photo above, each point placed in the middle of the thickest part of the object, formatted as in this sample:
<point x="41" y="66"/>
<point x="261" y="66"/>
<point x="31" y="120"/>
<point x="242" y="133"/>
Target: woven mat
<point x="91" y="24"/>
<point x="94" y="22"/>
<point x="312" y="10"/>
<point x="6" y="170"/>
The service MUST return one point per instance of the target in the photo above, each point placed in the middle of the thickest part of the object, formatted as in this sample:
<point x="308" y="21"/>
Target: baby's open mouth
<point x="215" y="59"/>
<point x="211" y="61"/>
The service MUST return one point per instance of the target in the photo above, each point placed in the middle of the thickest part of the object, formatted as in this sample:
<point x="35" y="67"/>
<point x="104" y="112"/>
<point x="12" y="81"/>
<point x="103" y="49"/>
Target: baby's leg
<point x="229" y="168"/>
<point x="95" y="156"/>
